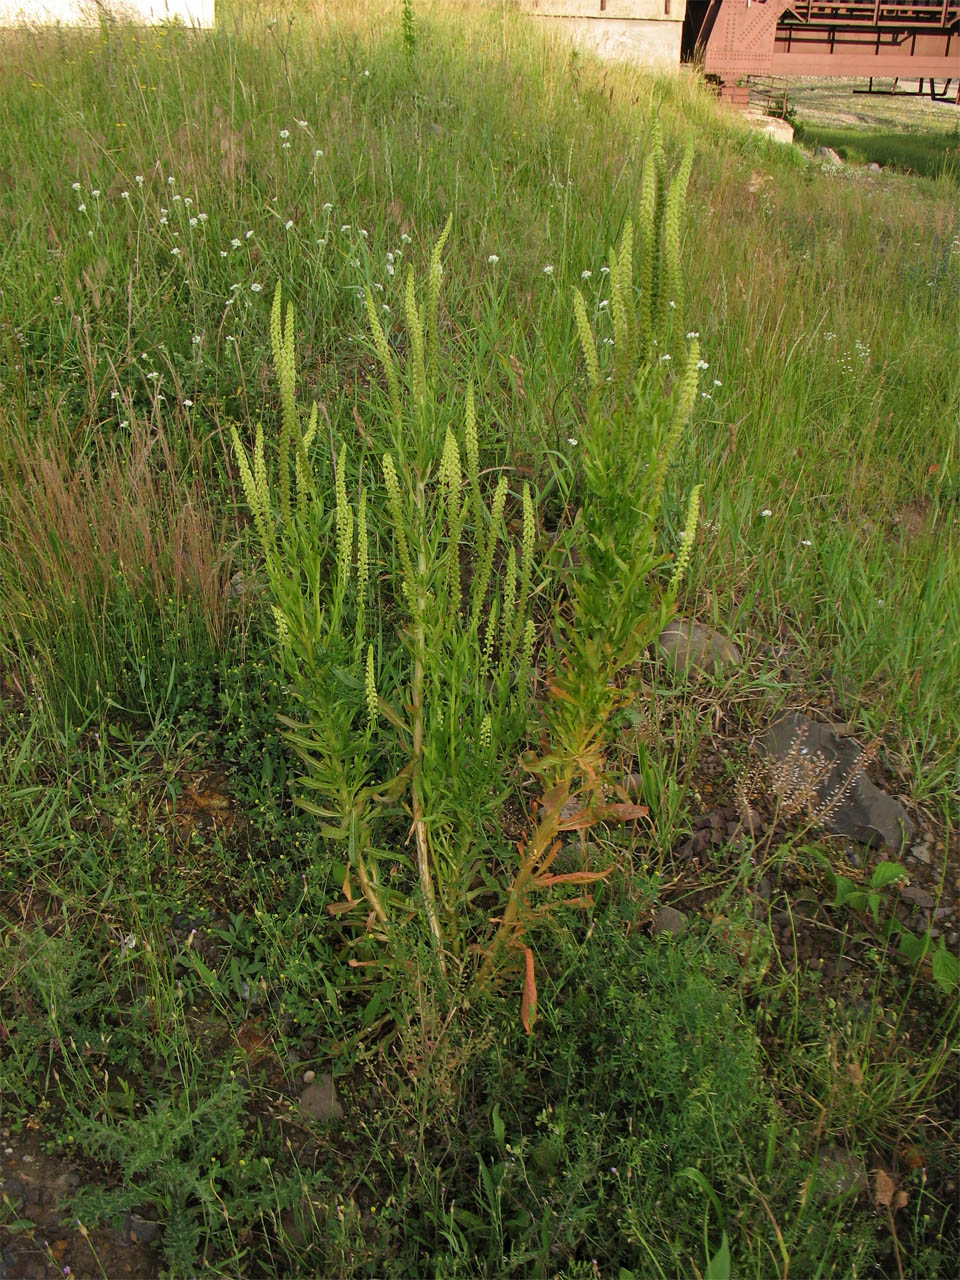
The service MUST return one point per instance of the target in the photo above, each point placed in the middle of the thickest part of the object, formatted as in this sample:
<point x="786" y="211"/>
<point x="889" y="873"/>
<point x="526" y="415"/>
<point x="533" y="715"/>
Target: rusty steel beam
<point x="908" y="38"/>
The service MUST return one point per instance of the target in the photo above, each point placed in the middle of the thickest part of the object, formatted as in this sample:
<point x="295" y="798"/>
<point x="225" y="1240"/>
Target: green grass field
<point x="927" y="154"/>
<point x="316" y="754"/>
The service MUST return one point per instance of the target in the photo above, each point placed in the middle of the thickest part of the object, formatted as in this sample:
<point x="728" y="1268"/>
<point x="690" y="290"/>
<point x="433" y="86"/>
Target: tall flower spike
<point x="482" y="579"/>
<point x="370" y="687"/>
<point x="386" y="359"/>
<point x="261" y="514"/>
<point x="433" y="294"/>
<point x="276" y="329"/>
<point x="262" y="489"/>
<point x="681" y="416"/>
<point x="686" y="540"/>
<point x="672" y="232"/>
<point x="456" y="511"/>
<point x="472" y="444"/>
<point x="303" y="468"/>
<point x="415" y="327"/>
<point x="527" y="541"/>
<point x="290" y="418"/>
<point x="526" y="649"/>
<point x="395" y="503"/>
<point x="621" y="288"/>
<point x="344" y="525"/>
<point x="628" y="355"/>
<point x="509" y="608"/>
<point x="648" y="255"/>
<point x="283" y="631"/>
<point x="363" y="563"/>
<point x="587" y="343"/>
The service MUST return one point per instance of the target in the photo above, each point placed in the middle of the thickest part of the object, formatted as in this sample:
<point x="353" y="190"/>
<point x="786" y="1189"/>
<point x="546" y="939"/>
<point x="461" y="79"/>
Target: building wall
<point x="197" y="13"/>
<point x="647" y="32"/>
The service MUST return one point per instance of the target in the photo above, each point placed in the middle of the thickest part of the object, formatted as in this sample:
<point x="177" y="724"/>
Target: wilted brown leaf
<point x="884" y="1189"/>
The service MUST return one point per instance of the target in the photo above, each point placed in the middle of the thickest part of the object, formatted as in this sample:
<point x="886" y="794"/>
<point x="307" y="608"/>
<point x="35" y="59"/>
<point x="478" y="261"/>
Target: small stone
<point x="319" y="1101"/>
<point x="309" y="1077"/>
<point x="921" y="853"/>
<point x="65" y="1183"/>
<point x="840" y="1173"/>
<point x="683" y="645"/>
<point x="14" y="1190"/>
<point x="140" y="1230"/>
<point x="917" y="896"/>
<point x="669" y="920"/>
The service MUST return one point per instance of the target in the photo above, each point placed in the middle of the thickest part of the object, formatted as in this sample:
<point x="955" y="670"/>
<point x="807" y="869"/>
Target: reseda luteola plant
<point x="413" y="704"/>
<point x="404" y="623"/>
<point x="618" y="603"/>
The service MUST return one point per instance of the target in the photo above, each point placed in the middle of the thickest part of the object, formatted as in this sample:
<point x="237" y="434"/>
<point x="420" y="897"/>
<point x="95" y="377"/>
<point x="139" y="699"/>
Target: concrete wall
<point x="83" y="13"/>
<point x="647" y="32"/>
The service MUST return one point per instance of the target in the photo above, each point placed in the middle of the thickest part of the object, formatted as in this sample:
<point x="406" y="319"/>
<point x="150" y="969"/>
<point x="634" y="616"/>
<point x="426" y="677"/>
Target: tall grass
<point x="310" y="148"/>
<point x="116" y="573"/>
<point x="175" y="178"/>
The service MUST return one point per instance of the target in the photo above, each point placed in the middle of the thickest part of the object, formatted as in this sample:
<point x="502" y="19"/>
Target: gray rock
<point x="828" y="154"/>
<point x="65" y="1183"/>
<point x="319" y="1101"/>
<point x="688" y="644"/>
<point x="14" y="1190"/>
<point x="853" y="806"/>
<point x="917" y="896"/>
<point x="140" y="1230"/>
<point x="840" y="1173"/>
<point x="669" y="920"/>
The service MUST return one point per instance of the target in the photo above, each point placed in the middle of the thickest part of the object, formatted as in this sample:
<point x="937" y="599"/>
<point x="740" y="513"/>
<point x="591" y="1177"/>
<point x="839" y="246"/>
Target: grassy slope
<point x="839" y="401"/>
<point x="828" y="309"/>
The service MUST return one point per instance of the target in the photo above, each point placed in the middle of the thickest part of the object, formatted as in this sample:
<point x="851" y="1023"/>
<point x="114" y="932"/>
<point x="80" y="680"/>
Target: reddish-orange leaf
<point x="528" y="1005"/>
<point x="625" y="812"/>
<point x="574" y="877"/>
<point x="578" y="821"/>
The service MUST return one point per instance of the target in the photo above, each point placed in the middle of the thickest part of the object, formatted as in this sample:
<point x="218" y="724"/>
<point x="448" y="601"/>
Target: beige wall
<point x="87" y="12"/>
<point x="646" y="32"/>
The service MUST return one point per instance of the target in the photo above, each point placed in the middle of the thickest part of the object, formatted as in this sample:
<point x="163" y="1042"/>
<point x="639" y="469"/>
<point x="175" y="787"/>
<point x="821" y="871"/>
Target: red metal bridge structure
<point x="913" y="39"/>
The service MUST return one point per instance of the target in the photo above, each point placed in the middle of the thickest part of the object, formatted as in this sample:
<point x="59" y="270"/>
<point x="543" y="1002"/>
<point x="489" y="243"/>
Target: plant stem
<point x="535" y="850"/>
<point x="416" y="699"/>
